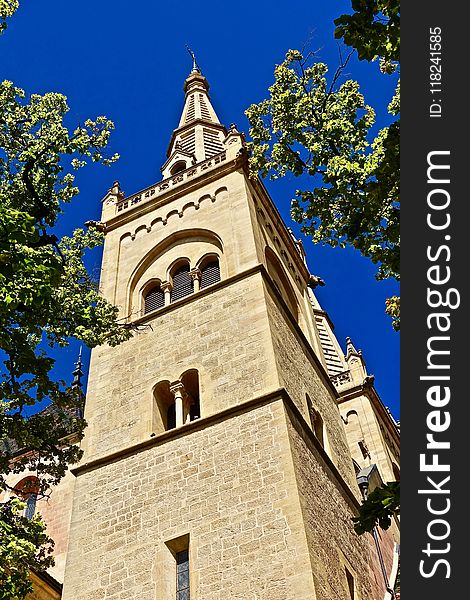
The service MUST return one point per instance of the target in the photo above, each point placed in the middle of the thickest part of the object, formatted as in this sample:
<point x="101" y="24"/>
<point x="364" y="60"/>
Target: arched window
<point x="356" y="466"/>
<point x="182" y="282"/>
<point x="171" y="417"/>
<point x="190" y="380"/>
<point x="176" y="403"/>
<point x="210" y="271"/>
<point x="164" y="415"/>
<point x="281" y="281"/>
<point x="178" y="167"/>
<point x="396" y="471"/>
<point x="27" y="489"/>
<point x="30" y="505"/>
<point x="351" y="416"/>
<point x="154" y="298"/>
<point x="316" y="422"/>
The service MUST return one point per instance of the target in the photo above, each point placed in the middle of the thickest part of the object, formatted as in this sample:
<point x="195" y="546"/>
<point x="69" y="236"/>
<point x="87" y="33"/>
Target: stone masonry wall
<point x="299" y="374"/>
<point x="331" y="538"/>
<point x="224" y="335"/>
<point x="229" y="485"/>
<point x="363" y="423"/>
<point x="210" y="207"/>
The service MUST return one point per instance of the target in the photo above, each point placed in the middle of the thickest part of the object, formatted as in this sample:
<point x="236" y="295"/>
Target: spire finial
<point x="195" y="68"/>
<point x="78" y="373"/>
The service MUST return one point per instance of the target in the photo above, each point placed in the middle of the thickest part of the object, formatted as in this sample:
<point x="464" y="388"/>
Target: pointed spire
<point x="78" y="373"/>
<point x="199" y="135"/>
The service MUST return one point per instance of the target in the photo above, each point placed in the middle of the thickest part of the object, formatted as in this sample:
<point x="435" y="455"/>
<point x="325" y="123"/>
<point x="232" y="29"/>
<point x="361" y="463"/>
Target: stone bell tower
<point x="216" y="462"/>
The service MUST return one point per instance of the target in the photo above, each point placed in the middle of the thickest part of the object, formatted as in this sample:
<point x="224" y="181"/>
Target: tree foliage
<point x="317" y="125"/>
<point x="7" y="9"/>
<point x="310" y="126"/>
<point x="373" y="30"/>
<point x="46" y="294"/>
<point x="24" y="545"/>
<point x="46" y="298"/>
<point x="379" y="508"/>
<point x="392" y="308"/>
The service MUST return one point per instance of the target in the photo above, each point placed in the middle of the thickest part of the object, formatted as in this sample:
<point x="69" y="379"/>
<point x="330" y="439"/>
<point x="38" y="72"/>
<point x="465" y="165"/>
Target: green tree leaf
<point x="379" y="508"/>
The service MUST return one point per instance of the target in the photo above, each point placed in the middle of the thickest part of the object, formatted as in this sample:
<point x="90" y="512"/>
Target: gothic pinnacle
<point x="350" y="349"/>
<point x="78" y="373"/>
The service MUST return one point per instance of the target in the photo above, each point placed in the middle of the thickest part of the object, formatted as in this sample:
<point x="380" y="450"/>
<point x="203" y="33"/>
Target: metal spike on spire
<point x="195" y="68"/>
<point x="78" y="373"/>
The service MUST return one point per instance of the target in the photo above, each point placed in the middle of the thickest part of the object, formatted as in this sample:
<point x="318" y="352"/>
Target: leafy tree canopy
<point x="46" y="298"/>
<point x="320" y="128"/>
<point x="24" y="545"/>
<point x="46" y="294"/>
<point x="373" y="30"/>
<point x="7" y="9"/>
<point x="318" y="125"/>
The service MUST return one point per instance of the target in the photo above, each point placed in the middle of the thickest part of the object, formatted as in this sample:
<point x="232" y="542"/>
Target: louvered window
<point x="154" y="299"/>
<point x="190" y="115"/>
<point x="188" y="142"/>
<point x="205" y="114"/>
<point x="182" y="283"/>
<point x="212" y="143"/>
<point x="210" y="273"/>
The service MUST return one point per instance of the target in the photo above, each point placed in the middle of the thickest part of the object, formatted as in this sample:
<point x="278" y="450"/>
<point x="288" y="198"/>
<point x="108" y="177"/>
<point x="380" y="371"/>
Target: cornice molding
<point x="279" y="394"/>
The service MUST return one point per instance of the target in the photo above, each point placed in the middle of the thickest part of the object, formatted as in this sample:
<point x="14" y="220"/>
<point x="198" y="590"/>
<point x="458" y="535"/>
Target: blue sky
<point x="128" y="61"/>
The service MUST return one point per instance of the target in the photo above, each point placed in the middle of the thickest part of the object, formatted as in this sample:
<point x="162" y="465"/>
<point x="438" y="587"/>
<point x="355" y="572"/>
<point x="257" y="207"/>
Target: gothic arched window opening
<point x="178" y="167"/>
<point x="176" y="403"/>
<point x="164" y="412"/>
<point x="171" y="417"/>
<point x="210" y="271"/>
<point x="27" y="489"/>
<point x="281" y="281"/>
<point x="316" y="422"/>
<point x="154" y="298"/>
<point x="190" y="380"/>
<point x="396" y="471"/>
<point x="356" y="466"/>
<point x="182" y="282"/>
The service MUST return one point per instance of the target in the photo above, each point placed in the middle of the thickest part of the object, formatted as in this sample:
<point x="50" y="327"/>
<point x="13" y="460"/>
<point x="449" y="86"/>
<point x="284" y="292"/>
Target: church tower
<point x="216" y="463"/>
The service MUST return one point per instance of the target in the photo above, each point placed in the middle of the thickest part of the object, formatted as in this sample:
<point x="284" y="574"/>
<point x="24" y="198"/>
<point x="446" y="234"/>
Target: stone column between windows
<point x="179" y="393"/>
<point x="195" y="275"/>
<point x="166" y="287"/>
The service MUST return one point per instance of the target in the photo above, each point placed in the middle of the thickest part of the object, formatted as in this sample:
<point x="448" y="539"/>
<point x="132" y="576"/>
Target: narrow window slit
<point x="182" y="575"/>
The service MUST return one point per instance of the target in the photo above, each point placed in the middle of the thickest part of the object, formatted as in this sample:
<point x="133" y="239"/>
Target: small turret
<point x="78" y="373"/>
<point x="77" y="385"/>
<point x="112" y="197"/>
<point x="355" y="362"/>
